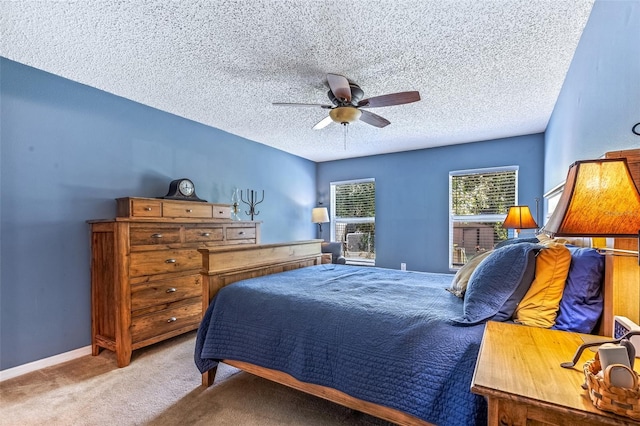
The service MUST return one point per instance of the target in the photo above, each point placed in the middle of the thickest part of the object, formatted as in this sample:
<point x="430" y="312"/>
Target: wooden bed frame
<point x="222" y="266"/>
<point x="228" y="264"/>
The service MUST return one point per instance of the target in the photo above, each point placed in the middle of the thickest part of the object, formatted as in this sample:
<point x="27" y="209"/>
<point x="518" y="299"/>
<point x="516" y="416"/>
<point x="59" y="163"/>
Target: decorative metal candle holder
<point x="252" y="202"/>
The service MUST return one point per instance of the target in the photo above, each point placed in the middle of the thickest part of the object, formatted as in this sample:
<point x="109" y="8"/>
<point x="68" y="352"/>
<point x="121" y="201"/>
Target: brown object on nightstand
<point x="518" y="371"/>
<point x="145" y="269"/>
<point x="624" y="401"/>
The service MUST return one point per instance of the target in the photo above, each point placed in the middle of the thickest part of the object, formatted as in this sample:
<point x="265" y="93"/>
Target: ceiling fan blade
<point x="339" y="85"/>
<point x="323" y="123"/>
<point x="301" y="105"/>
<point x="373" y="119"/>
<point x="390" y="99"/>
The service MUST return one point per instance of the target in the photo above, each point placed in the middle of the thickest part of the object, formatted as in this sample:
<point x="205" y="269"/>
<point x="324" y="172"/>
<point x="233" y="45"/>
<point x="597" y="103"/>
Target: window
<point x="478" y="203"/>
<point x="353" y="219"/>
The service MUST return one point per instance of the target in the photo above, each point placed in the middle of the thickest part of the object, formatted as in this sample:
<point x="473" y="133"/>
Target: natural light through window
<point x="353" y="219"/>
<point x="478" y="203"/>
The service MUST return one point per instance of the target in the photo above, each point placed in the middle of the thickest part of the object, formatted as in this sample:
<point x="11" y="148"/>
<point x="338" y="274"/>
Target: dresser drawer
<point x="221" y="211"/>
<point x="187" y="210"/>
<point x="163" y="261"/>
<point x="154" y="235"/>
<point x="241" y="233"/>
<point x="177" y="315"/>
<point x="165" y="291"/>
<point x="203" y="234"/>
<point x="146" y="208"/>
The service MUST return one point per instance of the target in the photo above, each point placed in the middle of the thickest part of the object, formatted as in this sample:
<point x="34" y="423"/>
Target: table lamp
<point x="320" y="215"/>
<point x="600" y="199"/>
<point x="519" y="217"/>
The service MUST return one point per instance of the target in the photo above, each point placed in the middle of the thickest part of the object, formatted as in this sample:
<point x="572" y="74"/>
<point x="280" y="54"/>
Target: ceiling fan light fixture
<point x="345" y="115"/>
<point x="347" y="98"/>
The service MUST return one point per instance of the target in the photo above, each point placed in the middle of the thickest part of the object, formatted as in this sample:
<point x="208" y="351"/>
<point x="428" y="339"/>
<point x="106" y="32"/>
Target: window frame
<point x="332" y="217"/>
<point x="488" y="218"/>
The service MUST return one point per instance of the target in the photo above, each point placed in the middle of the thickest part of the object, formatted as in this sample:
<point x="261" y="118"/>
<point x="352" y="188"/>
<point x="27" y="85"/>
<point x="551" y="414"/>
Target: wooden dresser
<point x="145" y="269"/>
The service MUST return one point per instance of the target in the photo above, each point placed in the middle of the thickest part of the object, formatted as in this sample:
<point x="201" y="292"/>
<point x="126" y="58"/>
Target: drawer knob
<point x="189" y="210"/>
<point x="170" y="261"/>
<point x="171" y="290"/>
<point x="147" y="209"/>
<point x="172" y="319"/>
<point x="241" y="233"/>
<point x="221" y="212"/>
<point x="156" y="235"/>
<point x="206" y="234"/>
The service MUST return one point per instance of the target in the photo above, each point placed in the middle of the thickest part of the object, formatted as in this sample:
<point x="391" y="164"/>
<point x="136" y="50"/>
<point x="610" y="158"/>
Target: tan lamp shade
<point x="519" y="217"/>
<point x="319" y="215"/>
<point x="599" y="199"/>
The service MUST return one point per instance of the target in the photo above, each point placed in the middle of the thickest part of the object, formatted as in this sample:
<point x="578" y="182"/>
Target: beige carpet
<point x="160" y="387"/>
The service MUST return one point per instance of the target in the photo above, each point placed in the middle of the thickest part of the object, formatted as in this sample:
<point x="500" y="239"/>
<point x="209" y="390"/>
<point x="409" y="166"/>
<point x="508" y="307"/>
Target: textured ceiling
<point x="484" y="69"/>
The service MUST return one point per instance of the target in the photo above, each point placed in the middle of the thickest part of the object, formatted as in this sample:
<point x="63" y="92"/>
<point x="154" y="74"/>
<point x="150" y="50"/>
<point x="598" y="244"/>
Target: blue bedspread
<point x="377" y="334"/>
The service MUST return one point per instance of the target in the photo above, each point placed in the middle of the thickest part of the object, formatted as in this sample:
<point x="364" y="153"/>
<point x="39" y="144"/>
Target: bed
<point x="389" y="343"/>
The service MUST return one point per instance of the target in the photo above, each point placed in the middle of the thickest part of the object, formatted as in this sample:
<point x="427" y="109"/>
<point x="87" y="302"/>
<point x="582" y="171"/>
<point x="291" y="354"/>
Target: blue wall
<point x="412" y="193"/>
<point x="67" y="151"/>
<point x="600" y="99"/>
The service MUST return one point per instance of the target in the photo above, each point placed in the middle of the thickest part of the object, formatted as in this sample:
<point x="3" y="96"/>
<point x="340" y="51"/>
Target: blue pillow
<point x="509" y="307"/>
<point x="496" y="284"/>
<point x="582" y="301"/>
<point x="517" y="241"/>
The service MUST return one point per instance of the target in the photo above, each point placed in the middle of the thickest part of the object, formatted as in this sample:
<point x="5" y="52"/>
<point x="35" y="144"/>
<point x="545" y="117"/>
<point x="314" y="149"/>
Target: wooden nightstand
<point x="518" y="371"/>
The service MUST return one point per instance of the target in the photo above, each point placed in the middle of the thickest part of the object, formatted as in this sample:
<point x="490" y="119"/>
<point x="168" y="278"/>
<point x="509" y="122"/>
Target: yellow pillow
<point x="539" y="306"/>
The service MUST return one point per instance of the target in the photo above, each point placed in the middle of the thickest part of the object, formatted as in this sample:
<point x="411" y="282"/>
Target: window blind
<point x="355" y="200"/>
<point x="483" y="193"/>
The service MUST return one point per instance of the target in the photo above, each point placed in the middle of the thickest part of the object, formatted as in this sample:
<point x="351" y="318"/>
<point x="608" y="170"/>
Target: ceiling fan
<point x="346" y="97"/>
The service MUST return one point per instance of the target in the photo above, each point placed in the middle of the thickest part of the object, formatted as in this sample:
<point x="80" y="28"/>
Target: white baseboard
<point x="10" y="373"/>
